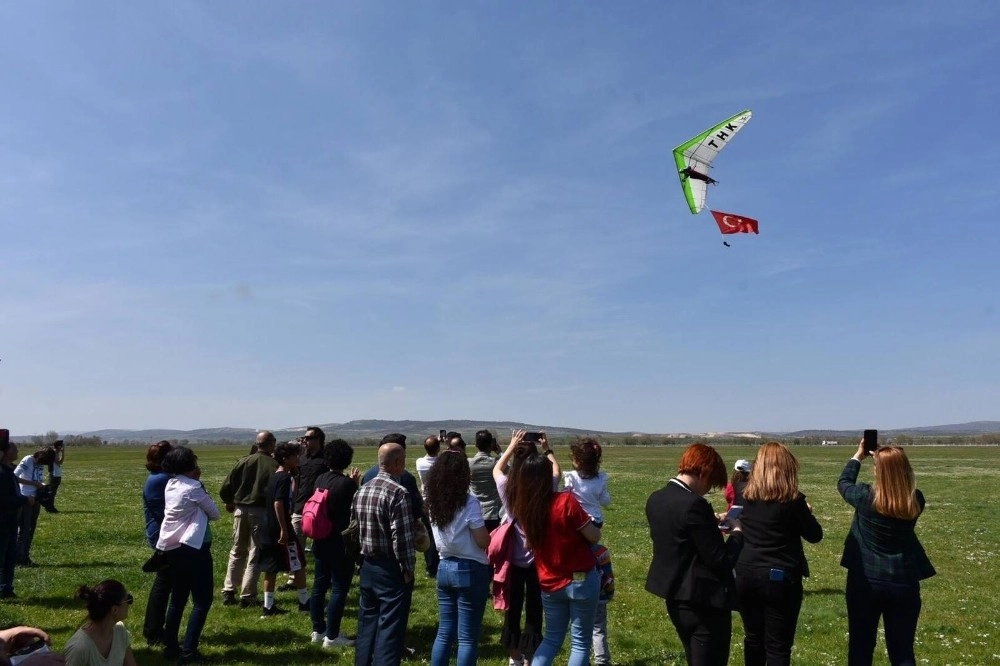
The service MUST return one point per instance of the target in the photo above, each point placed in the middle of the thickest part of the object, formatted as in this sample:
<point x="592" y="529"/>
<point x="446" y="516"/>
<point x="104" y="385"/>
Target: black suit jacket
<point x="691" y="560"/>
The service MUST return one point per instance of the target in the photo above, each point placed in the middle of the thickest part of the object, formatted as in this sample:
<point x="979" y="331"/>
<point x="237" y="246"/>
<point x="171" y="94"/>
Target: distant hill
<point x="374" y="429"/>
<point x="971" y="428"/>
<point x="354" y="430"/>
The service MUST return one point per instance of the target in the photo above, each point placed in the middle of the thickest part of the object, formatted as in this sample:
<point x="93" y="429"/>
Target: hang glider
<point x="694" y="158"/>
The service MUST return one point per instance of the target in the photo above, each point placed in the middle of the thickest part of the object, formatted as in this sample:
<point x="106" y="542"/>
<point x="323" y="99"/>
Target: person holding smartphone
<point x="775" y="518"/>
<point x="884" y="559"/>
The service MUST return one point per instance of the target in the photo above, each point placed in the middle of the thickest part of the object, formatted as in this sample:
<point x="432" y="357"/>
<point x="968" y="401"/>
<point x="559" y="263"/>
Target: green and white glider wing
<point x="697" y="154"/>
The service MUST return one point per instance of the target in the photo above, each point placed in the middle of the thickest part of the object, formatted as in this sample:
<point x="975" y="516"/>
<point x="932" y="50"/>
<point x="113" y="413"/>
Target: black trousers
<point x="897" y="604"/>
<point x="156" y="607"/>
<point x="770" y="612"/>
<point x="431" y="558"/>
<point x="705" y="632"/>
<point x="526" y="596"/>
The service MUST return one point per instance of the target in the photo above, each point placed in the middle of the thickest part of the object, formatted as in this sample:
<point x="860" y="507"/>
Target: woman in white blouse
<point x="186" y="538"/>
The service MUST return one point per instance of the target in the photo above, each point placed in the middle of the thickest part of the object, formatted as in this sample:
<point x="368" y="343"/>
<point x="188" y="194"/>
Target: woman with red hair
<point x="692" y="567"/>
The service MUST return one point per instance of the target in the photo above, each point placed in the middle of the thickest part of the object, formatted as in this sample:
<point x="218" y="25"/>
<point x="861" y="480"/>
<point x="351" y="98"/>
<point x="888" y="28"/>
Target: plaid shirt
<point x="884" y="548"/>
<point x="384" y="513"/>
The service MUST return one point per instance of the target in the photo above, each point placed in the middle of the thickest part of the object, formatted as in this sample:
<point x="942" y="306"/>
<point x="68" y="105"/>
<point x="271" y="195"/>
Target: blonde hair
<point x="895" y="484"/>
<point x="774" y="476"/>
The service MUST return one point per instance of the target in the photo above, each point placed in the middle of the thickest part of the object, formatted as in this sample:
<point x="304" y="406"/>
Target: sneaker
<point x="339" y="641"/>
<point x="272" y="611"/>
<point x="287" y="587"/>
<point x="304" y="607"/>
<point x="317" y="637"/>
<point x="249" y="602"/>
<point x="195" y="657"/>
<point x="229" y="599"/>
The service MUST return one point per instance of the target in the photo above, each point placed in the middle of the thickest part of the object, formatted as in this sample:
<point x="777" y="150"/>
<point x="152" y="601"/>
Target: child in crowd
<point x="280" y="548"/>
<point x="590" y="487"/>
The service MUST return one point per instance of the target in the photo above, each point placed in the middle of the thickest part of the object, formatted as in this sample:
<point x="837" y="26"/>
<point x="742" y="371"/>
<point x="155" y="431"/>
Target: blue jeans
<point x="897" y="604"/>
<point x="570" y="608"/>
<point x="383" y="610"/>
<point x="333" y="571"/>
<point x="462" y="587"/>
<point x="192" y="569"/>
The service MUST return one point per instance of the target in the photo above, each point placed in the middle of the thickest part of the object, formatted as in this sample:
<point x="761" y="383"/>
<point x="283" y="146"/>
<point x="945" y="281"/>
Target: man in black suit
<point x="692" y="567"/>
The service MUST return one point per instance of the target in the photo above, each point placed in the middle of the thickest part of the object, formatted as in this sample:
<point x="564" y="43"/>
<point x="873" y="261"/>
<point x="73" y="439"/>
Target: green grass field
<point x="99" y="534"/>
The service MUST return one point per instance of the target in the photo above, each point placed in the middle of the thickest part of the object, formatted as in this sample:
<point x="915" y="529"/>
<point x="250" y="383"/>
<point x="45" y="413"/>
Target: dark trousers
<point x="770" y="612"/>
<point x="26" y="533"/>
<point x="705" y="632"/>
<point x="54" y="482"/>
<point x="431" y="558"/>
<point x="898" y="604"/>
<point x="526" y="594"/>
<point x="332" y="571"/>
<point x="156" y="607"/>
<point x="383" y="611"/>
<point x="8" y="558"/>
<point x="192" y="577"/>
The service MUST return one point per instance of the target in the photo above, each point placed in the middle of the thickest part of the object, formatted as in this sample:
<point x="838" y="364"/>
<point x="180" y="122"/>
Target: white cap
<point x="742" y="465"/>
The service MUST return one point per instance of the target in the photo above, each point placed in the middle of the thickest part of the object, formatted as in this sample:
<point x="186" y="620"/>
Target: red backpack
<point x="316" y="523"/>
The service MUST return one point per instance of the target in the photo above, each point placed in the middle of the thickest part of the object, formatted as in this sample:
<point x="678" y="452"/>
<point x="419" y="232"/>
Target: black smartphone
<point x="871" y="441"/>
<point x="4" y="437"/>
<point x="36" y="647"/>
<point x="532" y="437"/>
<point x="442" y="434"/>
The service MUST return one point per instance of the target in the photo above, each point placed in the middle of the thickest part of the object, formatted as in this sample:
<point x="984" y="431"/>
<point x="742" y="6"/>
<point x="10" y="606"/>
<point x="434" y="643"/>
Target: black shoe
<point x="287" y="587"/>
<point x="195" y="657"/>
<point x="249" y="602"/>
<point x="152" y="637"/>
<point x="272" y="611"/>
<point x="304" y="607"/>
<point x="51" y="509"/>
<point x="8" y="594"/>
<point x="27" y="562"/>
<point x="171" y="651"/>
<point x="229" y="599"/>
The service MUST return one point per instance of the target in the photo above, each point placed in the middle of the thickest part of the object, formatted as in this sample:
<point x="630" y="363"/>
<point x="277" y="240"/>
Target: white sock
<point x="268" y="599"/>
<point x="303" y="595"/>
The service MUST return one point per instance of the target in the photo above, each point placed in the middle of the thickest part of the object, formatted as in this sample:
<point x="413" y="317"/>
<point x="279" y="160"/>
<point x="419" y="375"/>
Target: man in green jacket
<point x="244" y="493"/>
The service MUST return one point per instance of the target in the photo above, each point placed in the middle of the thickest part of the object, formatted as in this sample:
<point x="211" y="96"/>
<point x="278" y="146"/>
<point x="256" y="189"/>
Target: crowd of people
<point x="507" y="524"/>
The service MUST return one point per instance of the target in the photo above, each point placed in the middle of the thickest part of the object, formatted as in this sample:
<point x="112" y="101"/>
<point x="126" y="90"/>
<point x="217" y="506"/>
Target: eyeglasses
<point x="128" y="600"/>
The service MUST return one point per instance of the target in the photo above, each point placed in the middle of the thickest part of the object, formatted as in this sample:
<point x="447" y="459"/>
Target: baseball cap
<point x="742" y="465"/>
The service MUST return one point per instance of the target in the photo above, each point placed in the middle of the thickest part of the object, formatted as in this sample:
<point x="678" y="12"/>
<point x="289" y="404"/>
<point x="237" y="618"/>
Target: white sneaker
<point x="317" y="637"/>
<point x="339" y="641"/>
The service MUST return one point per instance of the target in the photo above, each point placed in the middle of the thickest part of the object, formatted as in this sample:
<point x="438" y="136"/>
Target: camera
<point x="532" y="437"/>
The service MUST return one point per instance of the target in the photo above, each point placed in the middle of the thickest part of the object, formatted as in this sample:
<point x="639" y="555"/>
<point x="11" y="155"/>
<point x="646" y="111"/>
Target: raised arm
<point x="500" y="468"/>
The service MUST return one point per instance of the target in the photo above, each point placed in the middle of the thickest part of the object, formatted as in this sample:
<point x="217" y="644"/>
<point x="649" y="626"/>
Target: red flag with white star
<point x="730" y="223"/>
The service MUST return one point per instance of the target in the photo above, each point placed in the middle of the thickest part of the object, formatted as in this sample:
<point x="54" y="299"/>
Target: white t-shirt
<point x="28" y="469"/>
<point x="455" y="538"/>
<point x="80" y="649"/>
<point x="592" y="494"/>
<point x="423" y="466"/>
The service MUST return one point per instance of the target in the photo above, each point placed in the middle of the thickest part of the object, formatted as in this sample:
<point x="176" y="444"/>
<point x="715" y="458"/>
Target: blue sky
<point x="268" y="214"/>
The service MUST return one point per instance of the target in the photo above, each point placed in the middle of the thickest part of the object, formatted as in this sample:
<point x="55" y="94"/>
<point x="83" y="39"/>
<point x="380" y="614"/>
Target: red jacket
<point x="499" y="555"/>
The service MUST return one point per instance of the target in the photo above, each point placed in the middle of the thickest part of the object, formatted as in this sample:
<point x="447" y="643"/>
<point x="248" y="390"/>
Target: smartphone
<point x="442" y="434"/>
<point x="532" y="437"/>
<point x="37" y="647"/>
<point x="4" y="437"/>
<point x="731" y="515"/>
<point x="871" y="441"/>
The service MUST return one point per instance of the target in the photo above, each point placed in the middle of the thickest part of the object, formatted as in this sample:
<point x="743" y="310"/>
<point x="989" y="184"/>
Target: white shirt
<point x="27" y="469"/>
<point x="455" y="538"/>
<point x="188" y="510"/>
<point x="592" y="493"/>
<point x="423" y="466"/>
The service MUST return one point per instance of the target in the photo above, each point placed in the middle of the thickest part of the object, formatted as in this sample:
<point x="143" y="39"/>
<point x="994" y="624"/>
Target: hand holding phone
<point x="730" y="519"/>
<point x="870" y="441"/>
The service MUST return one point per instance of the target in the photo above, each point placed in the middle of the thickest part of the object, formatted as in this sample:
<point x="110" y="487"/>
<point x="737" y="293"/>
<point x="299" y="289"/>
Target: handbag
<point x="352" y="541"/>
<point x="421" y="539"/>
<point x="156" y="563"/>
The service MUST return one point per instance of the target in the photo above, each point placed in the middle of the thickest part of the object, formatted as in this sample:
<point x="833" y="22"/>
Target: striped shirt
<point x="384" y="513"/>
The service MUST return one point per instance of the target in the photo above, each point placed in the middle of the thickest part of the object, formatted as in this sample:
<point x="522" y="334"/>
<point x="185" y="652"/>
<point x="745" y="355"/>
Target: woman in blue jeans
<point x="560" y="533"/>
<point x="333" y="568"/>
<point x="883" y="557"/>
<point x="186" y="538"/>
<point x="463" y="575"/>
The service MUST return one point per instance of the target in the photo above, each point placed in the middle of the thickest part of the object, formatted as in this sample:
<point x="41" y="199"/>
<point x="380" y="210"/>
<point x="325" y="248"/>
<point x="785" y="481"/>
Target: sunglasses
<point x="128" y="600"/>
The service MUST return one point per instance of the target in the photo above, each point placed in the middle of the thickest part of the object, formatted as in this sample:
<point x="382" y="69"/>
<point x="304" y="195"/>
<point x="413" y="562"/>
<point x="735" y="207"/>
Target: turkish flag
<point x="730" y="223"/>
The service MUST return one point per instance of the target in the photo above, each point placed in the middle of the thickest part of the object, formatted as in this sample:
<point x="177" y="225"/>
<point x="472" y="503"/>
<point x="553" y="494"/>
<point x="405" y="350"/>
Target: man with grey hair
<point x="244" y="493"/>
<point x="384" y="512"/>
